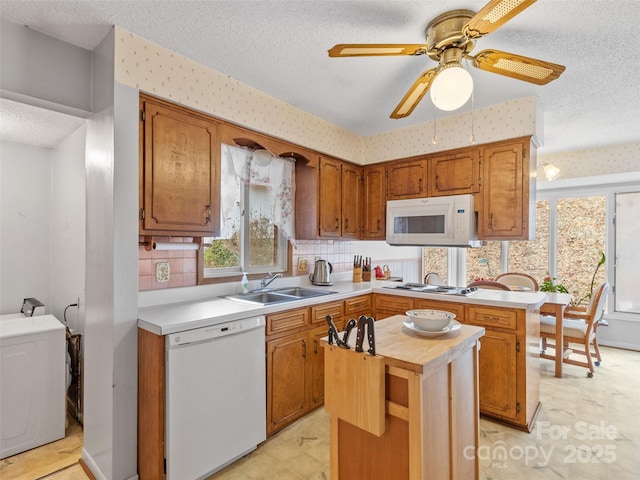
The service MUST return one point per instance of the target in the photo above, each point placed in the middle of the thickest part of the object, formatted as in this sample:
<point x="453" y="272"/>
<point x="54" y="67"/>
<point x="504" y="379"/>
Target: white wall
<point x="25" y="226"/>
<point x="110" y="394"/>
<point x="68" y="229"/>
<point x="41" y="70"/>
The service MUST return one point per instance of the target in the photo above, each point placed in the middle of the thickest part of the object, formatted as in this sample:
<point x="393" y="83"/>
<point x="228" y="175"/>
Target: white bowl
<point x="430" y="320"/>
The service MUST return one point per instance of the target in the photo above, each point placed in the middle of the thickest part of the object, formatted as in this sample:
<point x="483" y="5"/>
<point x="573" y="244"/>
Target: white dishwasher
<point x="215" y="396"/>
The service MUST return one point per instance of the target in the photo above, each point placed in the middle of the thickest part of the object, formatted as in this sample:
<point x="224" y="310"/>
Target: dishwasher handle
<point x="212" y="332"/>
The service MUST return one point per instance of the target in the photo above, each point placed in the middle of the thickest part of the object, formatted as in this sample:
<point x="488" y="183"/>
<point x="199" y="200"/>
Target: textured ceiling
<point x="280" y="48"/>
<point x="34" y="126"/>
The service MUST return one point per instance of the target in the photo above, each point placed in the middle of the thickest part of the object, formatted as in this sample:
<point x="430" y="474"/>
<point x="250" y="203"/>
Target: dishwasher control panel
<point x="215" y="331"/>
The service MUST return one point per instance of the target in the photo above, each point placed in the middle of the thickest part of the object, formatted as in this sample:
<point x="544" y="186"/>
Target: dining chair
<point x="518" y="281"/>
<point x="579" y="327"/>
<point x="488" y="284"/>
<point x="433" y="278"/>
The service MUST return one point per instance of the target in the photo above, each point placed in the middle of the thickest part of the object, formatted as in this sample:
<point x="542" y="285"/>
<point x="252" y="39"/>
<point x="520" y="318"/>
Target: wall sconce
<point x="550" y="171"/>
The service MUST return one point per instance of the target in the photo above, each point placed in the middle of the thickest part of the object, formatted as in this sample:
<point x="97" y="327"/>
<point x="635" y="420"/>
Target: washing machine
<point x="32" y="382"/>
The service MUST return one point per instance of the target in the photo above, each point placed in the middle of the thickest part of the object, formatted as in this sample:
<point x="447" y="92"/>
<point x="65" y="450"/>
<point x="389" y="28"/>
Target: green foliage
<point x="225" y="252"/>
<point x="549" y="284"/>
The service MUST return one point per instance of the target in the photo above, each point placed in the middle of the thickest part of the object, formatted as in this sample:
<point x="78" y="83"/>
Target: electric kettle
<point x="322" y="273"/>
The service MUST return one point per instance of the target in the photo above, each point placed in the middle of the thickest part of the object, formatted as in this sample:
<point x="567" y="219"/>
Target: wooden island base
<point x="430" y="405"/>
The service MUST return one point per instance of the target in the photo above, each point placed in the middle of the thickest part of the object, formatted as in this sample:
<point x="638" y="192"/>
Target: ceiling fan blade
<point x="376" y="49"/>
<point x="517" y="66"/>
<point x="493" y="15"/>
<point x="415" y="94"/>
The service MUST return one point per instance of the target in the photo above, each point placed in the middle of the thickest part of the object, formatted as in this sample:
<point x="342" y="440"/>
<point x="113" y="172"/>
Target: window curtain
<point x="238" y="167"/>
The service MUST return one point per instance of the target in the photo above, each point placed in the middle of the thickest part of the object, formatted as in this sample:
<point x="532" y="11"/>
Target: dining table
<point x="555" y="305"/>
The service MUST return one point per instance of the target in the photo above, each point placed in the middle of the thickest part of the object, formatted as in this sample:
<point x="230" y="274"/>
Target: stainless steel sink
<point x="280" y="295"/>
<point x="303" y="292"/>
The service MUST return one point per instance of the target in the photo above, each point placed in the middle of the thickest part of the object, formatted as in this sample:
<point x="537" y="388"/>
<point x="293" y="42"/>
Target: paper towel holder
<point x="149" y="244"/>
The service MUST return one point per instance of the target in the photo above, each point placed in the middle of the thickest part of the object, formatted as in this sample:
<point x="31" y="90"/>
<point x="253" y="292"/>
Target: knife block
<point x="366" y="276"/>
<point x="354" y="388"/>
<point x="357" y="274"/>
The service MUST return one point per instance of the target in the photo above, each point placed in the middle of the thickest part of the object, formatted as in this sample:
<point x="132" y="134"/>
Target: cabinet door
<point x="454" y="174"/>
<point x="329" y="197"/>
<point x="319" y="313"/>
<point x="180" y="172"/>
<point x="407" y="179"/>
<point x="315" y="363"/>
<point x="374" y="203"/>
<point x="503" y="213"/>
<point x="356" y="306"/>
<point x="351" y="200"/>
<point x="286" y="377"/>
<point x="388" y="305"/>
<point x="456" y="308"/>
<point x="497" y="374"/>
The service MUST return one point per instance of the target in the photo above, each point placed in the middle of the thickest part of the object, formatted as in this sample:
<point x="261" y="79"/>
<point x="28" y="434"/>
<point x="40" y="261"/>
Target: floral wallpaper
<point x="151" y="68"/>
<point x="597" y="161"/>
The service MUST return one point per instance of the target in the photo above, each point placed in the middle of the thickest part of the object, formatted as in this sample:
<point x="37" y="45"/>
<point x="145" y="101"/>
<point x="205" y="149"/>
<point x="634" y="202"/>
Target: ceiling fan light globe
<point x="451" y="88"/>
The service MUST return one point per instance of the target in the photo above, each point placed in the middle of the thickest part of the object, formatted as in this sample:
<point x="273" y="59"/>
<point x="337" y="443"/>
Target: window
<point x="256" y="215"/>
<point x="627" y="224"/>
<point x="483" y="262"/>
<point x="532" y="257"/>
<point x="580" y="244"/>
<point x="435" y="260"/>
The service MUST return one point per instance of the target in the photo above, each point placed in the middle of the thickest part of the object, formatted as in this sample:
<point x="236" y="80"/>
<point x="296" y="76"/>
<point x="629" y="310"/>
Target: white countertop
<point x="177" y="317"/>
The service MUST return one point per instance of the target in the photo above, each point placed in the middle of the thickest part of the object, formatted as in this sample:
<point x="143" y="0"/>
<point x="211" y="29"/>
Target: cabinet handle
<point x="491" y="220"/>
<point x="337" y="223"/>
<point x="304" y="349"/>
<point x="208" y="217"/>
<point x="436" y="182"/>
<point x="420" y="184"/>
<point x="378" y="224"/>
<point x="315" y="347"/>
<point x="346" y="224"/>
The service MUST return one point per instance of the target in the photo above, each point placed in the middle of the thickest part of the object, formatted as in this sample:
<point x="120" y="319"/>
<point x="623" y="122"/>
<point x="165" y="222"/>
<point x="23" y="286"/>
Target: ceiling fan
<point x="450" y="38"/>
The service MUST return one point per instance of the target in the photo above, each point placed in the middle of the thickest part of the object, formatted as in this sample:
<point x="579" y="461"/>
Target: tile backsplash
<point x="183" y="263"/>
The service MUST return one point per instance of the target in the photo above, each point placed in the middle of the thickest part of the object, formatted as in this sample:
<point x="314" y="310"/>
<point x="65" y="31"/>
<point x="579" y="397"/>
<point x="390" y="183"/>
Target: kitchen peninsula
<point x="408" y="413"/>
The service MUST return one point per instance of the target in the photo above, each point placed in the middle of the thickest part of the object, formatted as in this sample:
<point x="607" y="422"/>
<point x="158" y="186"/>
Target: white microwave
<point x="448" y="221"/>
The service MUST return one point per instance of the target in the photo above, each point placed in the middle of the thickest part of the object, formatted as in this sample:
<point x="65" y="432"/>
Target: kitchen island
<point x="411" y="412"/>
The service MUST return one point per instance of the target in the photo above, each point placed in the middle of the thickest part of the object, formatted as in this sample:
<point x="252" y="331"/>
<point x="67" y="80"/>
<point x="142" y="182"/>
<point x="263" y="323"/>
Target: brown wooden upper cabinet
<point x="374" y="203"/>
<point x="179" y="171"/>
<point x="506" y="204"/>
<point x="328" y="199"/>
<point x="454" y="173"/>
<point x="407" y="179"/>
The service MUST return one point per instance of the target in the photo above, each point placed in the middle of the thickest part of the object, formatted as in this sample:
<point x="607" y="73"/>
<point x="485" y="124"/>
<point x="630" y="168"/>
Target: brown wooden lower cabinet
<point x="286" y="380"/>
<point x="509" y="364"/>
<point x="389" y="305"/>
<point x="295" y="362"/>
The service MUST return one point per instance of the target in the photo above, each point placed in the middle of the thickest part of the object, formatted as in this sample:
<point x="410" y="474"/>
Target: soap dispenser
<point x="244" y="283"/>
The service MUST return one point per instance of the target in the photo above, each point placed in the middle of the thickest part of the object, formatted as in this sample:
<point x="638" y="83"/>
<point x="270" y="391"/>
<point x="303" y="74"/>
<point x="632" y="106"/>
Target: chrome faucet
<point x="268" y="279"/>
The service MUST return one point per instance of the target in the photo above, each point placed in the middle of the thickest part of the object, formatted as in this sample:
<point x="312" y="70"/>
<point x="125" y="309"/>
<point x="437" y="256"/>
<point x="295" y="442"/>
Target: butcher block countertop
<point x="405" y="349"/>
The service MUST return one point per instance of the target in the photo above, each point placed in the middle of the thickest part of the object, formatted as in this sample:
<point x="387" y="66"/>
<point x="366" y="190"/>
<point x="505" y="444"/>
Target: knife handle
<point x="360" y="336"/>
